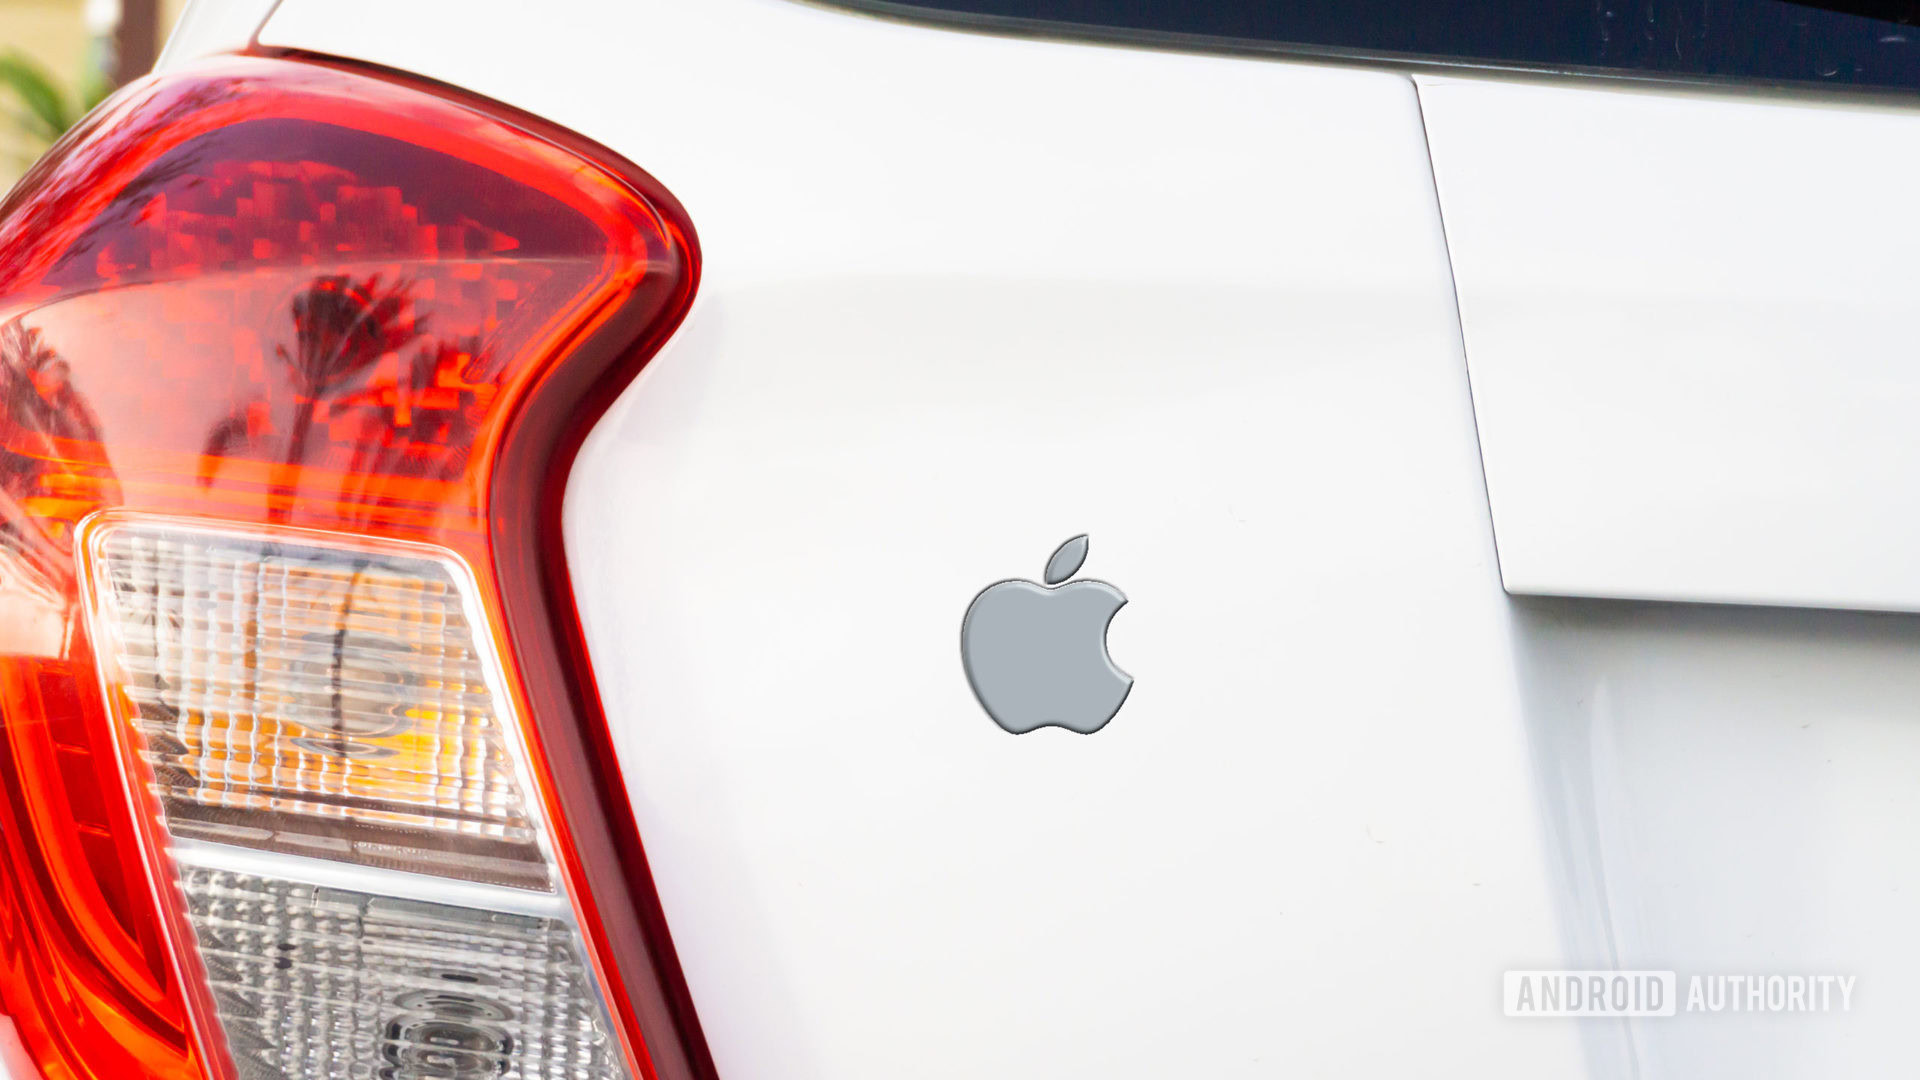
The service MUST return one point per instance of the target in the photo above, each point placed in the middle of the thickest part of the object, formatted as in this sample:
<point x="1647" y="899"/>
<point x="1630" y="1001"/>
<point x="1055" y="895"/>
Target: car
<point x="884" y="539"/>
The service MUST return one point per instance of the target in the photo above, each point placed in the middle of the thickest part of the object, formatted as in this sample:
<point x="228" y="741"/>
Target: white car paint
<point x="963" y="298"/>
<point x="966" y="296"/>
<point x="210" y="27"/>
<point x="1731" y="792"/>
<point x="1691" y="324"/>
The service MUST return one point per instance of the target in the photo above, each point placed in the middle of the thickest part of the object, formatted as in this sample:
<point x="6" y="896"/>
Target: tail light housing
<point x="302" y="770"/>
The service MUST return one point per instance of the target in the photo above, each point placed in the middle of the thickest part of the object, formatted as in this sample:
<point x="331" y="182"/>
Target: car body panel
<point x="1689" y="320"/>
<point x="963" y="298"/>
<point x="967" y="296"/>
<point x="211" y="27"/>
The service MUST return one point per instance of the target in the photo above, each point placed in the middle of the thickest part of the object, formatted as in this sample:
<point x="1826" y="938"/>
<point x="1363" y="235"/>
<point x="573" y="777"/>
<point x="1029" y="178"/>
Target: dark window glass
<point x="1845" y="43"/>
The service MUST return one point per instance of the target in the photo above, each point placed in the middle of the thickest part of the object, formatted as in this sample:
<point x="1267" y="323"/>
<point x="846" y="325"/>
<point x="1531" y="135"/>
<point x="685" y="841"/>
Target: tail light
<point x="302" y="772"/>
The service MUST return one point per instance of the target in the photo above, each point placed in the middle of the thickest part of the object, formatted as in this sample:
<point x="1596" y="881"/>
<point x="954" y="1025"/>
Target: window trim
<point x="1380" y="59"/>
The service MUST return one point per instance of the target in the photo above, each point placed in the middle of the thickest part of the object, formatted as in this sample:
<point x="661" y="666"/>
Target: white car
<point x="1031" y="539"/>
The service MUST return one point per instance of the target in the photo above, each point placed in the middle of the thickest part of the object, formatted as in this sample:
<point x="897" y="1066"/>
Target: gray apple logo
<point x="1037" y="655"/>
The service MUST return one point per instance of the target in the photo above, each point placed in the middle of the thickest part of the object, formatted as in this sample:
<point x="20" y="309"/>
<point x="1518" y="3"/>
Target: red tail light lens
<point x="302" y="773"/>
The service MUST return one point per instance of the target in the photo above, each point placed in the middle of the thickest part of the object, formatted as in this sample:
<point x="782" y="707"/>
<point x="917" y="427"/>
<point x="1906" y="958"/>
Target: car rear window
<point x="1761" y="41"/>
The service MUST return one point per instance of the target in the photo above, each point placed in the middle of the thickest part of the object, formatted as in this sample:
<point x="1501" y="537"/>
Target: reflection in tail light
<point x="302" y="771"/>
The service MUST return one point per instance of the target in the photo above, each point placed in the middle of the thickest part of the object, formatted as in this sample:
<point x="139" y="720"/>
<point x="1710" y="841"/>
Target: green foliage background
<point x="39" y="108"/>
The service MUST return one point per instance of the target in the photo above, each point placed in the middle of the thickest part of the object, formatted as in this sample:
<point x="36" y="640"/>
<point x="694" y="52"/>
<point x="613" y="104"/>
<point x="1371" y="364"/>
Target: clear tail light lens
<point x="302" y="773"/>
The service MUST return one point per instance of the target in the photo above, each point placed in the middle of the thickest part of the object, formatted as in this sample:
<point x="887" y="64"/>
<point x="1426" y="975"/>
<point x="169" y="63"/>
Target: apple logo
<point x="1036" y="655"/>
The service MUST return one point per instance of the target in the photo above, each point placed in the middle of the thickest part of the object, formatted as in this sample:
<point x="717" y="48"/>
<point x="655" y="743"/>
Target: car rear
<point x="493" y="497"/>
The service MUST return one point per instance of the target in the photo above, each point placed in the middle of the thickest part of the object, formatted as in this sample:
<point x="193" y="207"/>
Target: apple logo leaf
<point x="1067" y="559"/>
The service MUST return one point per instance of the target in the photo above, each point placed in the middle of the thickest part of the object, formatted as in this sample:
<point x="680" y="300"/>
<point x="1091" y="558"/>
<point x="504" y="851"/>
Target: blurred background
<point x="59" y="57"/>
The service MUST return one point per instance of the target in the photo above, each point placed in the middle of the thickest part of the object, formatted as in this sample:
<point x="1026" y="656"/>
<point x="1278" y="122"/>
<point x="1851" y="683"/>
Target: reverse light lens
<point x="318" y="981"/>
<point x="302" y="770"/>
